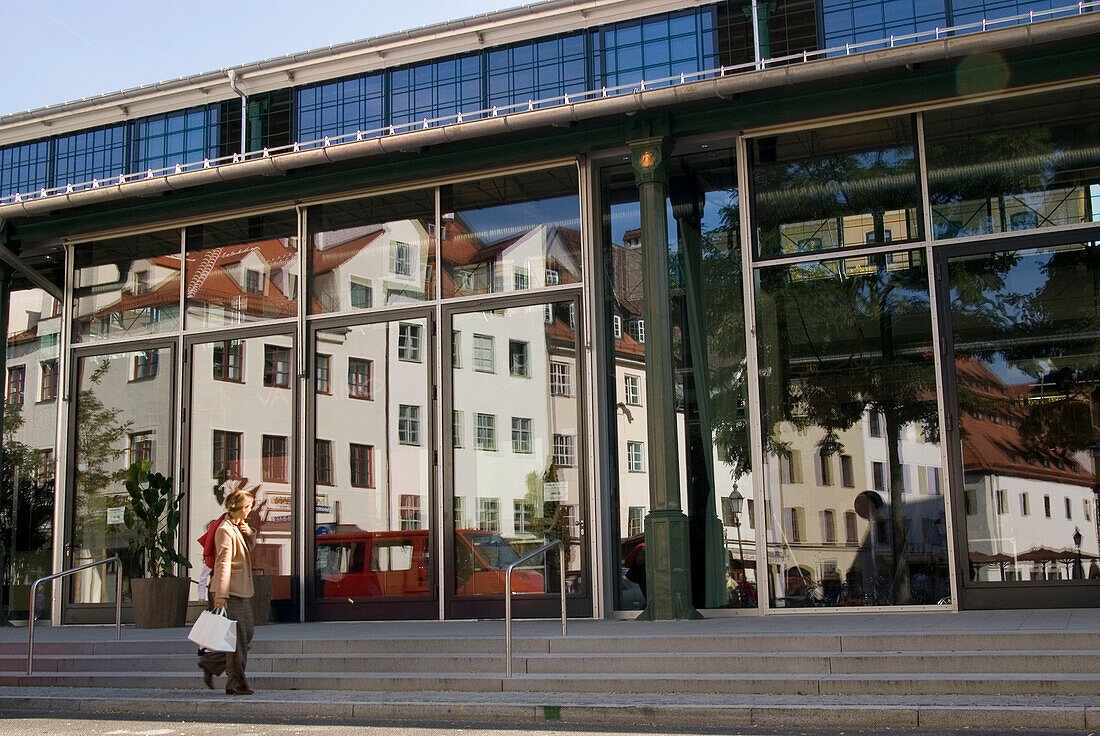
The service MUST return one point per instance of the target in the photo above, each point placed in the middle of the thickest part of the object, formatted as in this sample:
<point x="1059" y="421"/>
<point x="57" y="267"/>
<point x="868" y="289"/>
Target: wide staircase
<point x="1023" y="678"/>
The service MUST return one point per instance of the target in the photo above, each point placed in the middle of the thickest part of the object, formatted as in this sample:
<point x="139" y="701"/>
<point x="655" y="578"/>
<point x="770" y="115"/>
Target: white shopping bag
<point x="215" y="631"/>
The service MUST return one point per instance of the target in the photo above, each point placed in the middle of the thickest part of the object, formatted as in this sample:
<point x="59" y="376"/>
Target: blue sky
<point x="60" y="50"/>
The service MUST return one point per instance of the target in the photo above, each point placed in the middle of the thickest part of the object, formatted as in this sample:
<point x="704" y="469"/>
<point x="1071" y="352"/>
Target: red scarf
<point x="209" y="550"/>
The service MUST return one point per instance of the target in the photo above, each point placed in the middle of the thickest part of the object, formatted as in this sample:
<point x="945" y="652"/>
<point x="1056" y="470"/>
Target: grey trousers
<point x="232" y="663"/>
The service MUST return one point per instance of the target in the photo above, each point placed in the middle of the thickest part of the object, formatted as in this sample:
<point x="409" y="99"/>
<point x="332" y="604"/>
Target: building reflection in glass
<point x="854" y="504"/>
<point x="1025" y="327"/>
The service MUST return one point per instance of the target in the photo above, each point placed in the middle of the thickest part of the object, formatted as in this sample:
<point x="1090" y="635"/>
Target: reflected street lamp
<point x="1078" y="569"/>
<point x="736" y="499"/>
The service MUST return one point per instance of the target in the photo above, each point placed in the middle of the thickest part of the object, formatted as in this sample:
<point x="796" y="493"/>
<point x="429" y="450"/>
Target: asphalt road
<point x="59" y="725"/>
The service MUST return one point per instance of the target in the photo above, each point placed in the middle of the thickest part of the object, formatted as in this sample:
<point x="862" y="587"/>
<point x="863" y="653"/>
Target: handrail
<point x="508" y="597"/>
<point x="63" y="573"/>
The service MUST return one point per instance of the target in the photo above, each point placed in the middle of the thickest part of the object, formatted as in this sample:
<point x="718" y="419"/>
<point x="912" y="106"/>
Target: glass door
<point x="1025" y="408"/>
<point x="373" y="468"/>
<point x="240" y="418"/>
<point x="122" y="413"/>
<point x="514" y="458"/>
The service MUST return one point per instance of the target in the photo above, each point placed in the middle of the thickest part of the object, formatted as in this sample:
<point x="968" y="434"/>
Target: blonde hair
<point x="237" y="499"/>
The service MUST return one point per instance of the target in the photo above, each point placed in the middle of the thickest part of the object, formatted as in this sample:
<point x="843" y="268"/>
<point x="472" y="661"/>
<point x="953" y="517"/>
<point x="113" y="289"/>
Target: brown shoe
<point x="208" y="679"/>
<point x="239" y="691"/>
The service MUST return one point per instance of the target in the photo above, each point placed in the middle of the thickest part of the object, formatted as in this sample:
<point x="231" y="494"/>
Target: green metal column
<point x="668" y="562"/>
<point x="708" y="542"/>
<point x="5" y="303"/>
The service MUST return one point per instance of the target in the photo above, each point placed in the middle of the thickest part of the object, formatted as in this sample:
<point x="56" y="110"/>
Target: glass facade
<point x="373" y="252"/>
<point x="1025" y="363"/>
<point x="243" y="270"/>
<point x="1034" y="167"/>
<point x="511" y="233"/>
<point x="838" y="187"/>
<point x="183" y="137"/>
<point x="24" y="168"/>
<point x="872" y="406"/>
<point x="93" y="154"/>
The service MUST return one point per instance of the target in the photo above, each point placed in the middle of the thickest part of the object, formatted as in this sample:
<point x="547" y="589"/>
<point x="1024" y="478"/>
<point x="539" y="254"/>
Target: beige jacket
<point x="232" y="574"/>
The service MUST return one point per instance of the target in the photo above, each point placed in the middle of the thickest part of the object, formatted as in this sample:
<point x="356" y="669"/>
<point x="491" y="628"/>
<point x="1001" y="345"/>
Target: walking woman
<point x="231" y="586"/>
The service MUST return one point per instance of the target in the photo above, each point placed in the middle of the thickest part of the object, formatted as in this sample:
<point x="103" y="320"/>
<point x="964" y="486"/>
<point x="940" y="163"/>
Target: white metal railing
<point x="508" y="597"/>
<point x="497" y="110"/>
<point x="63" y="573"/>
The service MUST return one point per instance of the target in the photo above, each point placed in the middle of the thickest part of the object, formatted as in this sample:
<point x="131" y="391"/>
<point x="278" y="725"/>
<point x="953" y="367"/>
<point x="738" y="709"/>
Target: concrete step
<point x="939" y="715"/>
<point x="1080" y="684"/>
<point x="1007" y="662"/>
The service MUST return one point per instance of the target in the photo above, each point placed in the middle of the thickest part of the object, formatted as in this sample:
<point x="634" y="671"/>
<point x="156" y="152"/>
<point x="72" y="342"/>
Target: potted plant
<point x="153" y="516"/>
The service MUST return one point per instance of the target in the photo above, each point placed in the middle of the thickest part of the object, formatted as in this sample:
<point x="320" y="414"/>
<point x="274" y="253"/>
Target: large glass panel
<point x="510" y="233"/>
<point x="841" y="186"/>
<point x="657" y="47"/>
<point x="126" y="287"/>
<point x="540" y="70"/>
<point x="858" y="21"/>
<point x="340" y="108"/>
<point x="373" y="461"/>
<point x="854" y="496"/>
<point x="243" y="270"/>
<point x="30" y="426"/>
<point x="708" y="330"/>
<point x="24" y="168"/>
<point x="123" y="415"/>
<point x="1027" y="363"/>
<point x="1018" y="164"/>
<point x="516" y="434"/>
<point x="242" y="436"/>
<point x="373" y="252"/>
<point x="437" y="89"/>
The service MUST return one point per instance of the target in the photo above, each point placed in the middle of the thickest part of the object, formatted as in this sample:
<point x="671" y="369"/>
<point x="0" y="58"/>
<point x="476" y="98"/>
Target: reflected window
<point x="408" y="424"/>
<point x="521" y="435"/>
<point x="143" y="446"/>
<point x="17" y="384"/>
<point x="564" y="454"/>
<point x="359" y="378"/>
<point x="835" y="187"/>
<point x="362" y="466"/>
<point x="633" y="391"/>
<point x="276" y="366"/>
<point x="228" y="360"/>
<point x="560" y="379"/>
<point x="408" y="342"/>
<point x="227" y="453"/>
<point x="410" y="512"/>
<point x="518" y="358"/>
<point x="635" y="457"/>
<point x="48" y="374"/>
<point x="145" y="365"/>
<point x="274" y="457"/>
<point x="322" y="462"/>
<point x="486" y="431"/>
<point x="322" y="372"/>
<point x="488" y="515"/>
<point x="484" y="360"/>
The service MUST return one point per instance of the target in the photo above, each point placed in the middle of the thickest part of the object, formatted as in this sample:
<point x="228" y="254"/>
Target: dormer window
<point x="253" y="282"/>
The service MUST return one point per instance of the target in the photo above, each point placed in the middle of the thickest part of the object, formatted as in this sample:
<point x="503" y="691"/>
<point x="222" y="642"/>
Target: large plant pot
<point x="261" y="598"/>
<point x="160" y="603"/>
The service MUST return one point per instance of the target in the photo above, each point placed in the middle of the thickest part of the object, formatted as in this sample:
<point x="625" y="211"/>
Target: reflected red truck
<point x="376" y="564"/>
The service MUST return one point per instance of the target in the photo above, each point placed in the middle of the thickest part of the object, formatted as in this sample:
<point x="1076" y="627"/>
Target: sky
<point x="61" y="50"/>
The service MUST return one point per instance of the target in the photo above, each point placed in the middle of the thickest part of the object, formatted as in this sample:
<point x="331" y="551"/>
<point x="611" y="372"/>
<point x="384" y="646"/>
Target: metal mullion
<point x="444" y="469"/>
<point x="66" y="415"/>
<point x="253" y="329"/>
<point x="442" y="400"/>
<point x="1017" y="234"/>
<point x="507" y="299"/>
<point x="372" y="314"/>
<point x="586" y="379"/>
<point x="306" y="510"/>
<point x="184" y="530"/>
<point x="752" y="372"/>
<point x="839" y="253"/>
<point x="941" y="408"/>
